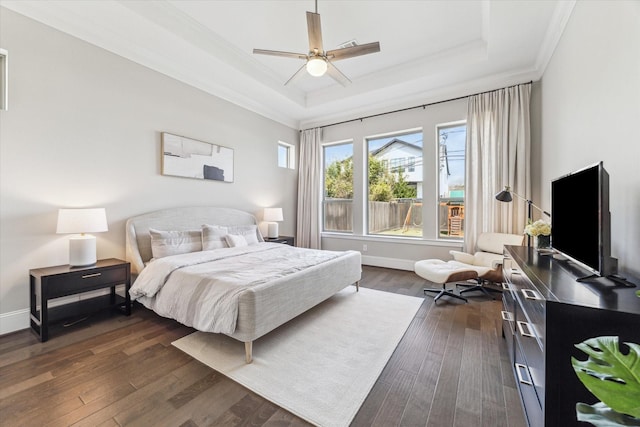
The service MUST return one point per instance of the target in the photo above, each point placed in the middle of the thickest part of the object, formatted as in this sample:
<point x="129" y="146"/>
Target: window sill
<point x="421" y="241"/>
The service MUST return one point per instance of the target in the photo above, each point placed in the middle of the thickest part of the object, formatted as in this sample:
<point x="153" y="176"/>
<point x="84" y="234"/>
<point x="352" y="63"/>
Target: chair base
<point x="442" y="292"/>
<point x="477" y="287"/>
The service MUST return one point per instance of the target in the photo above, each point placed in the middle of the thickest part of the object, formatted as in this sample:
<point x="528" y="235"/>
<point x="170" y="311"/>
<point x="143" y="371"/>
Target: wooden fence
<point x="383" y="216"/>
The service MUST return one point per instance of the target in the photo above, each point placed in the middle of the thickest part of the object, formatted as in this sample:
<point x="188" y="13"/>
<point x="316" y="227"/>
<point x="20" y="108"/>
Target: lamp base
<point x="82" y="250"/>
<point x="272" y="230"/>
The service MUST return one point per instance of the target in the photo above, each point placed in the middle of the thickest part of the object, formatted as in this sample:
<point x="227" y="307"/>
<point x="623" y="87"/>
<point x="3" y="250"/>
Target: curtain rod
<point x="414" y="107"/>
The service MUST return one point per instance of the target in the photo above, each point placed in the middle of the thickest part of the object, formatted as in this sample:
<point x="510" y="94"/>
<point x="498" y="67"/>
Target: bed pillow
<point x="165" y="243"/>
<point x="250" y="232"/>
<point x="236" y="240"/>
<point x="213" y="237"/>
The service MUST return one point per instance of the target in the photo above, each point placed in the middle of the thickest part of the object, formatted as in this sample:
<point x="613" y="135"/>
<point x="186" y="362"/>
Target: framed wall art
<point x="190" y="158"/>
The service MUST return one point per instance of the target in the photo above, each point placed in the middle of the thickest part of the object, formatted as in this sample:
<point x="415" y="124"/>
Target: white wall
<point x="591" y="109"/>
<point x="387" y="251"/>
<point x="83" y="130"/>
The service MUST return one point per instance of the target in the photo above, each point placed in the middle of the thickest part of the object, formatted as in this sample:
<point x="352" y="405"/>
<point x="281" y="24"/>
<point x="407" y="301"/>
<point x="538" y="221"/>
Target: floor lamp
<point x="505" y="196"/>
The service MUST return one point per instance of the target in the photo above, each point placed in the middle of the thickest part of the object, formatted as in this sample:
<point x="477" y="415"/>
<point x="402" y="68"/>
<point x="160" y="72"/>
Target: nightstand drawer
<point x="287" y="240"/>
<point x="72" y="283"/>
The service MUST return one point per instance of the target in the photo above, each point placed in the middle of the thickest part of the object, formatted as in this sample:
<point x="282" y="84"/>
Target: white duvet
<point x="201" y="289"/>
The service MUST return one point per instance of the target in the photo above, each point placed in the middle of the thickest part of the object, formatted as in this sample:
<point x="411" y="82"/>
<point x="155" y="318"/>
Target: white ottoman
<point x="438" y="271"/>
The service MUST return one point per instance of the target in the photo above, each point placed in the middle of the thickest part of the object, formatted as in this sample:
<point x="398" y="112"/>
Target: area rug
<point x="321" y="365"/>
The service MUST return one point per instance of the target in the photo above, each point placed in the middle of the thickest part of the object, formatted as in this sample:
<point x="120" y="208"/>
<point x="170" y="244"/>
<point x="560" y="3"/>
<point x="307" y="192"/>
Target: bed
<point x="243" y="291"/>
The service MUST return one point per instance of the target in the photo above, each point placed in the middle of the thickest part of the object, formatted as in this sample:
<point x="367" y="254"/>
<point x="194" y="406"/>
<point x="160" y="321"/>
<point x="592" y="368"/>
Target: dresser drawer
<point x="531" y="302"/>
<point x="532" y="354"/>
<point x="82" y="281"/>
<point x="508" y="318"/>
<point x="507" y="268"/>
<point x="525" y="383"/>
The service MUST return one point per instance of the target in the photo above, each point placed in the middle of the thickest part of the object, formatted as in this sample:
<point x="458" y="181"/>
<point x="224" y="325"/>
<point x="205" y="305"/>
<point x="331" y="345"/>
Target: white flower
<point x="540" y="227"/>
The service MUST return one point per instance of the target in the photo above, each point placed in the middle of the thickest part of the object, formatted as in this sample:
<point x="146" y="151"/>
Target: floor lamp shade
<point x="272" y="216"/>
<point x="82" y="246"/>
<point x="504" y="195"/>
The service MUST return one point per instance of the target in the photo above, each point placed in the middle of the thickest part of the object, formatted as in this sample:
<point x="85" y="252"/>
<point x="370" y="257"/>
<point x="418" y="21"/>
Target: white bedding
<point x="201" y="289"/>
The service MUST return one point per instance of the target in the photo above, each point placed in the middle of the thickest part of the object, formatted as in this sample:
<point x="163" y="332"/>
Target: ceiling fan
<point x="318" y="61"/>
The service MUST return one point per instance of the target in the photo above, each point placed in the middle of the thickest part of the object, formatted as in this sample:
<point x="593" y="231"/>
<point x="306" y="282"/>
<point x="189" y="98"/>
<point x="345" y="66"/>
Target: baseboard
<point x="395" y="263"/>
<point x="14" y="321"/>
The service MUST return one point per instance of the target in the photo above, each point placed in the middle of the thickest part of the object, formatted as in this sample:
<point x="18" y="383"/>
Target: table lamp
<point x="82" y="247"/>
<point x="272" y="216"/>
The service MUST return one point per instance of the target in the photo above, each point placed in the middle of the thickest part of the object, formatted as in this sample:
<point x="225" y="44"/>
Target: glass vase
<point x="543" y="242"/>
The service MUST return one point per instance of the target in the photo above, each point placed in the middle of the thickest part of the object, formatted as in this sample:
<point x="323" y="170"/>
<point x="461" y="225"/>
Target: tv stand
<point x="587" y="278"/>
<point x="621" y="281"/>
<point x="546" y="312"/>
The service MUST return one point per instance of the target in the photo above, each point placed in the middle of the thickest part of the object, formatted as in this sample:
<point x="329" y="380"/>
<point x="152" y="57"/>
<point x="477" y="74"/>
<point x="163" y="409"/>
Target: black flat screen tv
<point x="581" y="221"/>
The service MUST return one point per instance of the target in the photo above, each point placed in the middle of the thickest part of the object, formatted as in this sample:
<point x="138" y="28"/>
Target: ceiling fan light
<point x="317" y="66"/>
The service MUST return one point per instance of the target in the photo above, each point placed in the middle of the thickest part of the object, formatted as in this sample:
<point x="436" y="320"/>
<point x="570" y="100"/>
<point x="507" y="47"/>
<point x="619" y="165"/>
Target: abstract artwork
<point x="191" y="158"/>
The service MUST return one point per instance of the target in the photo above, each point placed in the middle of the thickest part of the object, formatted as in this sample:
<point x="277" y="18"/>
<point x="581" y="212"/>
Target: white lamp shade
<point x="273" y="214"/>
<point x="82" y="221"/>
<point x="316" y="67"/>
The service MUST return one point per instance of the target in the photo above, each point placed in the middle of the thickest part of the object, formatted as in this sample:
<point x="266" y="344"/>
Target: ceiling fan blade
<point x="337" y="75"/>
<point x="280" y="53"/>
<point x="315" y="32"/>
<point x="301" y="72"/>
<point x="350" y="52"/>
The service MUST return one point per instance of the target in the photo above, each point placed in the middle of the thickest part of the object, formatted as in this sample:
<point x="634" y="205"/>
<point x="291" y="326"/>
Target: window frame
<point x="438" y="126"/>
<point x="400" y="163"/>
<point x="290" y="155"/>
<point x="323" y="189"/>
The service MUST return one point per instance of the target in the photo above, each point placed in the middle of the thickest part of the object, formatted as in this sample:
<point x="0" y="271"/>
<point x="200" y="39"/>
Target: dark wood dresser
<point x="546" y="312"/>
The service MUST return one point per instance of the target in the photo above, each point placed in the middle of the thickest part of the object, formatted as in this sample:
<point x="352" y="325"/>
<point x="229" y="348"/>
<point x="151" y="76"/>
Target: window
<point x="451" y="150"/>
<point x="411" y="166"/>
<point x="286" y="155"/>
<point x="394" y="201"/>
<point x="337" y="203"/>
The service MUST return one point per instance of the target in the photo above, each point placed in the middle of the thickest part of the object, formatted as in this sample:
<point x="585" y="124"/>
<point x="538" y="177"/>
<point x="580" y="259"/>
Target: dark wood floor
<point x="450" y="369"/>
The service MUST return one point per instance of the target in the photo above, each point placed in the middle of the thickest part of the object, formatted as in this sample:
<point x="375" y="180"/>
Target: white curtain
<point x="309" y="189"/>
<point x="498" y="154"/>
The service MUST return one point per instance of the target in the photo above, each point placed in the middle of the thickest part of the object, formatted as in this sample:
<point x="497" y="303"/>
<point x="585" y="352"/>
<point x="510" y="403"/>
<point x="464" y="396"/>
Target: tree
<point x="401" y="189"/>
<point x="383" y="185"/>
<point x="339" y="179"/>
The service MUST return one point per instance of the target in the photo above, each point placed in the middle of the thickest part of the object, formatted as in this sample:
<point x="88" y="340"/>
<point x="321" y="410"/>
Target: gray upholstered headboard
<point x="138" y="240"/>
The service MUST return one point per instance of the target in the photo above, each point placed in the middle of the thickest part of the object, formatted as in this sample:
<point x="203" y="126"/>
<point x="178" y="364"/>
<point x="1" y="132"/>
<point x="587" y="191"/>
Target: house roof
<point x="395" y="141"/>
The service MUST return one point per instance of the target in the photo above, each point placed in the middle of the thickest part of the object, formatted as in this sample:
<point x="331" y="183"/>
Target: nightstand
<point x="287" y="240"/>
<point x="63" y="280"/>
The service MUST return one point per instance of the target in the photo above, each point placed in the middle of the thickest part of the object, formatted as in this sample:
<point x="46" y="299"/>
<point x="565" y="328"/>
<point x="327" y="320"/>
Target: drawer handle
<point x="506" y="287"/>
<point x="519" y="369"/>
<point x="507" y="316"/>
<point x="86" y="276"/>
<point x="515" y="271"/>
<point x="529" y="294"/>
<point x="521" y="327"/>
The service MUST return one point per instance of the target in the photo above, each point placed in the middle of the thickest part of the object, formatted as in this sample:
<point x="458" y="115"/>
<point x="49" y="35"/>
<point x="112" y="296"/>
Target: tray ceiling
<point x="430" y="50"/>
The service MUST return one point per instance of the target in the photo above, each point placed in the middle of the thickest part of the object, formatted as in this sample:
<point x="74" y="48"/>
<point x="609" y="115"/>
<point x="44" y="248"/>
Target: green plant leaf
<point x="610" y="375"/>
<point x="600" y="415"/>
